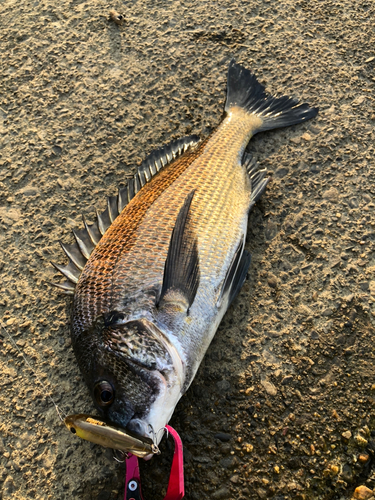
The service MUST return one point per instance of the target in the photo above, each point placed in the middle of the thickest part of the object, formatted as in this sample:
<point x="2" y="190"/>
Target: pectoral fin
<point x="181" y="271"/>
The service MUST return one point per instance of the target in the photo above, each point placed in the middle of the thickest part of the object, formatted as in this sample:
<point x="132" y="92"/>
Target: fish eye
<point x="104" y="393"/>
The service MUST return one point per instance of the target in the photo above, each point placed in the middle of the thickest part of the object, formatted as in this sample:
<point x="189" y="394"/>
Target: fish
<point x="154" y="275"/>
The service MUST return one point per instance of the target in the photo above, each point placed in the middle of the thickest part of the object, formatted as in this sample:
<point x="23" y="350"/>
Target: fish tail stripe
<point x="244" y="91"/>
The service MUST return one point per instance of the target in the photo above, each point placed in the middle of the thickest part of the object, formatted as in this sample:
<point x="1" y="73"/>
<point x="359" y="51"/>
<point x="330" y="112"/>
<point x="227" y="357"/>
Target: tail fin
<point x="244" y="90"/>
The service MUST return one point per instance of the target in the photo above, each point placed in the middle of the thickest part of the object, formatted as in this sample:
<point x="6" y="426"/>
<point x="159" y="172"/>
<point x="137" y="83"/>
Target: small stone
<point x="223" y="386"/>
<point x="363" y="457"/>
<point x="306" y="136"/>
<point x="269" y="387"/>
<point x="362" y="493"/>
<point x="288" y="379"/>
<point x="335" y="415"/>
<point x="116" y="17"/>
<point x="277" y="469"/>
<point x="347" y="473"/>
<point x="234" y="479"/>
<point x="331" y="194"/>
<point x="361" y="441"/>
<point x="346" y="435"/>
<point x="331" y="470"/>
<point x="281" y="172"/>
<point x="8" y="488"/>
<point x="270" y="230"/>
<point x="262" y="493"/>
<point x="220" y="494"/>
<point x="370" y="59"/>
<point x="296" y="140"/>
<point x="223" y="437"/>
<point x="272" y="281"/>
<point x="248" y="447"/>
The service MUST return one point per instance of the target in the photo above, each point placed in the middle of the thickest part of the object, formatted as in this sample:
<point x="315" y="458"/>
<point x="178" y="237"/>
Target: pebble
<point x="223" y="386"/>
<point x="362" y="493"/>
<point x="346" y="435"/>
<point x="331" y="194"/>
<point x="221" y="494"/>
<point x="361" y="441"/>
<point x="269" y="387"/>
<point x="363" y="457"/>
<point x="223" y="437"/>
<point x="288" y="379"/>
<point x="248" y="447"/>
<point x="116" y="17"/>
<point x="8" y="488"/>
<point x="272" y="281"/>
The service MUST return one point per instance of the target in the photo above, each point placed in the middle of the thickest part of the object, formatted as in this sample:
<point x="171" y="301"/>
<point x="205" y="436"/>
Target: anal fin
<point x="236" y="275"/>
<point x="181" y="271"/>
<point x="256" y="176"/>
<point x="240" y="276"/>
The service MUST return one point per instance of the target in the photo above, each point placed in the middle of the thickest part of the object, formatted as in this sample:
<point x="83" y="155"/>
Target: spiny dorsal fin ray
<point x="88" y="237"/>
<point x="70" y="271"/>
<point x="84" y="242"/>
<point x="92" y="231"/>
<point x="74" y="254"/>
<point x="112" y="205"/>
<point x="181" y="271"/>
<point x="67" y="287"/>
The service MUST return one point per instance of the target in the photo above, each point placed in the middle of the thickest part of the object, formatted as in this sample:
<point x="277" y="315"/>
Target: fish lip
<point x="134" y="422"/>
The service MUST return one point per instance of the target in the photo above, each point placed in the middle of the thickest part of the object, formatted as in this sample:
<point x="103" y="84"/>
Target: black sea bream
<point x="154" y="276"/>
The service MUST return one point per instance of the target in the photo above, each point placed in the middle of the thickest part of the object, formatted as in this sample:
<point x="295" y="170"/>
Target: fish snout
<point x="139" y="427"/>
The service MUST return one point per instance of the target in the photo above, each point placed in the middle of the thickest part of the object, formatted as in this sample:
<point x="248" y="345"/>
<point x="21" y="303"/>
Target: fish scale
<point x="166" y="268"/>
<point x="222" y="192"/>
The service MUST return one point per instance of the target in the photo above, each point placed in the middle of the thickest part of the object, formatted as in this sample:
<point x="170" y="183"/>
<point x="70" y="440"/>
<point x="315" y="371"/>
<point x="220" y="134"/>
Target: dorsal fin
<point x="87" y="238"/>
<point x="181" y="271"/>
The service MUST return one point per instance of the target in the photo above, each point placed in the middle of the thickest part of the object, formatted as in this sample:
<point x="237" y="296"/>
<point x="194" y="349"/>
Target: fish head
<point x="135" y="375"/>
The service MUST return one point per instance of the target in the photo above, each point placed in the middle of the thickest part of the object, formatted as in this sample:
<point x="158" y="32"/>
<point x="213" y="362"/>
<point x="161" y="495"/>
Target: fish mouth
<point x="138" y="427"/>
<point x="144" y="428"/>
